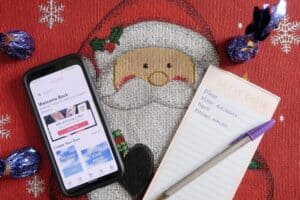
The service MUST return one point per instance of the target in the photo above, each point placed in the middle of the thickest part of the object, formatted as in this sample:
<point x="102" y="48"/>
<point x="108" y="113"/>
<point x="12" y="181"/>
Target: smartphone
<point x="72" y="124"/>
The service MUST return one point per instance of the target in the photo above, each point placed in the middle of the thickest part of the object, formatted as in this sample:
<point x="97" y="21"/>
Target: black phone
<point x="72" y="124"/>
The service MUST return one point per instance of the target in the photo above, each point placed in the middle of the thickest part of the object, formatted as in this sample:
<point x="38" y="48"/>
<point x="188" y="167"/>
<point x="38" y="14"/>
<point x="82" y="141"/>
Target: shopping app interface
<point x="73" y="127"/>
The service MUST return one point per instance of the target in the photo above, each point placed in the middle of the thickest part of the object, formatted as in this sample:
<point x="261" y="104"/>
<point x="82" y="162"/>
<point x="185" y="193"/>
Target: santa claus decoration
<point x="147" y="58"/>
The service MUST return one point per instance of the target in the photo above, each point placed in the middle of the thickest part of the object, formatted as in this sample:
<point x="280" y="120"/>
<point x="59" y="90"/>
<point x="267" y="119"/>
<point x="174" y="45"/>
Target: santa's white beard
<point x="137" y="93"/>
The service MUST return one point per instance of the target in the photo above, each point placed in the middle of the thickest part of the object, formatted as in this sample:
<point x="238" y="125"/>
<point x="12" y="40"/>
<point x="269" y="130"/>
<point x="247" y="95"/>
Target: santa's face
<point x="149" y="75"/>
<point x="157" y="66"/>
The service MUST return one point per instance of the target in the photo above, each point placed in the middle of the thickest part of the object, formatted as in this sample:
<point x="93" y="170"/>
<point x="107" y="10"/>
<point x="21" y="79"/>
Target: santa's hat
<point x="136" y="24"/>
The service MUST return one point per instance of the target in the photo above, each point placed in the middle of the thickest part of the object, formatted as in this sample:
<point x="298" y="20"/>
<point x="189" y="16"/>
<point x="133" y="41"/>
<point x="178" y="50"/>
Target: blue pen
<point x="236" y="144"/>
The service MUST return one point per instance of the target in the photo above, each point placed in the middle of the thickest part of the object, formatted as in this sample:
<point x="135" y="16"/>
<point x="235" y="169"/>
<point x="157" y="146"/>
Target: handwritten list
<point x="223" y="107"/>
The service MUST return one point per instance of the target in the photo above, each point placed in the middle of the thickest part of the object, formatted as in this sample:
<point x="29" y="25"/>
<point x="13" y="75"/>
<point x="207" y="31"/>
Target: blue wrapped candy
<point x="243" y="48"/>
<point x="21" y="163"/>
<point x="17" y="44"/>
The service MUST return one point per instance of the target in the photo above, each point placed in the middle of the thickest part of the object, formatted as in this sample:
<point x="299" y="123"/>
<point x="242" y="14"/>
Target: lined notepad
<point x="223" y="107"/>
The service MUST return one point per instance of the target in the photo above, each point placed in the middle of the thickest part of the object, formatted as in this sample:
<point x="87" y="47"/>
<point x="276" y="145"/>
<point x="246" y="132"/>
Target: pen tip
<point x="261" y="129"/>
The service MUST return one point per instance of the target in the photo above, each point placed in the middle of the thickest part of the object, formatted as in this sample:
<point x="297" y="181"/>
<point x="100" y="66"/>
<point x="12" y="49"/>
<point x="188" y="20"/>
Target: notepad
<point x="224" y="106"/>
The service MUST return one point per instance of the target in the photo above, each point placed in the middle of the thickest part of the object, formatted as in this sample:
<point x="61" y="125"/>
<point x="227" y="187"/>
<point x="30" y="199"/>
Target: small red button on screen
<point x="73" y="127"/>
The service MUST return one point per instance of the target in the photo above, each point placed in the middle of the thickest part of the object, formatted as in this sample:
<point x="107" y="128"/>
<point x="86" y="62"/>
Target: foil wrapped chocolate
<point x="17" y="44"/>
<point x="21" y="163"/>
<point x="243" y="48"/>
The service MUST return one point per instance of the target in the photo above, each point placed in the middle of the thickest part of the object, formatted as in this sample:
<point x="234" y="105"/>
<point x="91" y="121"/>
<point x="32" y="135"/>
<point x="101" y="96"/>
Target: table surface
<point x="274" y="175"/>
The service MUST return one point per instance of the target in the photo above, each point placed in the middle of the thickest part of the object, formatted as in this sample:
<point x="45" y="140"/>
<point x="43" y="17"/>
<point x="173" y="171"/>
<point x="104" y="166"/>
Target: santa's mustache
<point x="137" y="93"/>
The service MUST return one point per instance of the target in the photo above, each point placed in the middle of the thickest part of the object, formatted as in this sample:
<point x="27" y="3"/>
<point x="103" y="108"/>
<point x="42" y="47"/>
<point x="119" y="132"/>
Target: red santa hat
<point x="136" y="24"/>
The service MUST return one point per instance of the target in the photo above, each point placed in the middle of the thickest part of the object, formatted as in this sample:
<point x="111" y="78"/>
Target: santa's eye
<point x="145" y="65"/>
<point x="169" y="65"/>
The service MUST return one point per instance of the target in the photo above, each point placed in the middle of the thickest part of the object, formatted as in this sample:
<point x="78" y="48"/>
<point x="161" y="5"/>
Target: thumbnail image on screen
<point x="70" y="120"/>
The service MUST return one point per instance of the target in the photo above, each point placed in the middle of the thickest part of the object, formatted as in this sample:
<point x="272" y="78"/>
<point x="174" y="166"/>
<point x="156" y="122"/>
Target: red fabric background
<point x="272" y="69"/>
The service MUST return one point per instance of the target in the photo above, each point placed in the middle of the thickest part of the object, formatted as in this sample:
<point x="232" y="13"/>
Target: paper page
<point x="224" y="107"/>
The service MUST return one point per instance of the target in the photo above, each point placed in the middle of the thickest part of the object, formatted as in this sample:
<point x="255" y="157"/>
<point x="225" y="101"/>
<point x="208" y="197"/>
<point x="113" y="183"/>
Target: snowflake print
<point x="51" y="13"/>
<point x="4" y="133"/>
<point x="35" y="186"/>
<point x="286" y="35"/>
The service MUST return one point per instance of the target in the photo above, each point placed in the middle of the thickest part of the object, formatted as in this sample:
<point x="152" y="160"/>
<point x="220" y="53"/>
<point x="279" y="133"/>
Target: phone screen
<point x="73" y="126"/>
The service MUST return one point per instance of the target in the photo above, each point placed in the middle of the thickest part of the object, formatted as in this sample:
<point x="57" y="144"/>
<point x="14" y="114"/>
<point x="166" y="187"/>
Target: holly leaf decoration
<point x="254" y="164"/>
<point x="117" y="133"/>
<point x="115" y="34"/>
<point x="97" y="44"/>
<point x="100" y="44"/>
<point x="120" y="142"/>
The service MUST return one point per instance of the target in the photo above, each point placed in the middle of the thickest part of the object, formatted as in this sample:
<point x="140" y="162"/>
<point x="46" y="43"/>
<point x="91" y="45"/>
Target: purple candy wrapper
<point x="17" y="44"/>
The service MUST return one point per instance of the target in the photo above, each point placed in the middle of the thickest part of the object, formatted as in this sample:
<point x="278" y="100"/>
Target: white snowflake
<point x="51" y="13"/>
<point x="4" y="133"/>
<point x="286" y="34"/>
<point x="35" y="186"/>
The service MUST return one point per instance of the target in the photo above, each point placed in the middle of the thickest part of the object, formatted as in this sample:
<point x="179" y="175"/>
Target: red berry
<point x="119" y="140"/>
<point x="110" y="46"/>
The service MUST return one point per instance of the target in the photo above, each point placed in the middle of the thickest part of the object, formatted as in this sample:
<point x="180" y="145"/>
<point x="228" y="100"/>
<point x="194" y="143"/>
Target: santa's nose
<point x="158" y="78"/>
